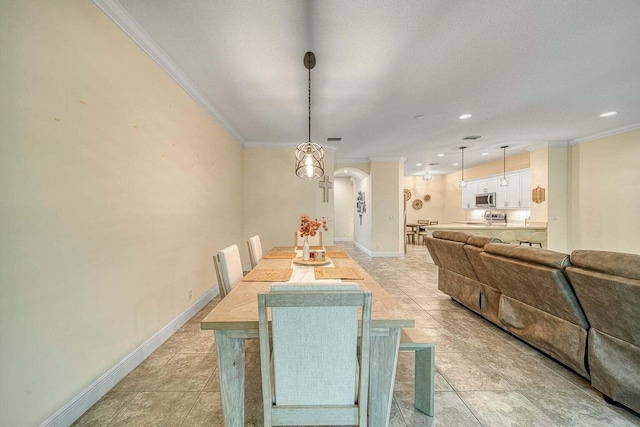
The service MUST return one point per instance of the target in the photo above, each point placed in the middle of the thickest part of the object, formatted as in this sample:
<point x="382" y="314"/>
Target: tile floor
<point x="485" y="377"/>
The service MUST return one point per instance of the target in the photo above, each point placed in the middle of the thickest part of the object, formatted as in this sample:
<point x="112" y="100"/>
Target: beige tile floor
<point x="485" y="377"/>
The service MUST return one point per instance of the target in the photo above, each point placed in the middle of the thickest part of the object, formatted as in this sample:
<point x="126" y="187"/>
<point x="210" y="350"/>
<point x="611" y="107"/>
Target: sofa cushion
<point x="540" y="256"/>
<point x="615" y="263"/>
<point x="542" y="285"/>
<point x="456" y="236"/>
<point x="480" y="241"/>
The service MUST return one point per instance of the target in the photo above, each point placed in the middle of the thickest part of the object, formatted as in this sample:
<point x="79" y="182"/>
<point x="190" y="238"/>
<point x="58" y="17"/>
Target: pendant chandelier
<point x="309" y="155"/>
<point x="462" y="182"/>
<point x="504" y="182"/>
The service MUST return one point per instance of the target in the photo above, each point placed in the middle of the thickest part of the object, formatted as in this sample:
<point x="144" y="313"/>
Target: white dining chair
<point x="255" y="250"/>
<point x="311" y="374"/>
<point x="230" y="268"/>
<point x="507" y="237"/>
<point x="535" y="239"/>
<point x="313" y="240"/>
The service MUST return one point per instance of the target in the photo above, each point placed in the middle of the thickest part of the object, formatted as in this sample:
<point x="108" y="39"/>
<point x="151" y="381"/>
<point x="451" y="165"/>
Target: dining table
<point x="235" y="319"/>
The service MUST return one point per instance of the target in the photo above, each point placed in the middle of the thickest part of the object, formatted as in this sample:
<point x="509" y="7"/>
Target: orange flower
<point x="310" y="228"/>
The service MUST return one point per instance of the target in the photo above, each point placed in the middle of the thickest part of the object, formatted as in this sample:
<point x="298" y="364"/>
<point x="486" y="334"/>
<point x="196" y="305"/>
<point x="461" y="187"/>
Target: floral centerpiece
<point x="310" y="228"/>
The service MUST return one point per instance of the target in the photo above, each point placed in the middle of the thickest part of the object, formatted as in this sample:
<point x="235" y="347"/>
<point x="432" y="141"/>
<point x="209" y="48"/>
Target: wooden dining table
<point x="235" y="319"/>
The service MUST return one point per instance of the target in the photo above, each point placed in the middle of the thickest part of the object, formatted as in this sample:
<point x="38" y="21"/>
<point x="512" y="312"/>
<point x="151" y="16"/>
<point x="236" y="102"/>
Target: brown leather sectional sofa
<point x="582" y="310"/>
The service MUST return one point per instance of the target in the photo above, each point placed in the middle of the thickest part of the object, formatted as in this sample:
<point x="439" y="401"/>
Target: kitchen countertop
<point x="471" y="225"/>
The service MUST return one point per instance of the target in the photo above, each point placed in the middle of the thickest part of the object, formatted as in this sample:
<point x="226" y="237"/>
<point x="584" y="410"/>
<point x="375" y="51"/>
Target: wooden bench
<point x="415" y="339"/>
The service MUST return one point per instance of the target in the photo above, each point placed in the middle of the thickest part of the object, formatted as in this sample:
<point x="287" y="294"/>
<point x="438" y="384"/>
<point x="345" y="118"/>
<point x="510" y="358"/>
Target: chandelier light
<point x="504" y="182"/>
<point x="462" y="183"/>
<point x="309" y="155"/>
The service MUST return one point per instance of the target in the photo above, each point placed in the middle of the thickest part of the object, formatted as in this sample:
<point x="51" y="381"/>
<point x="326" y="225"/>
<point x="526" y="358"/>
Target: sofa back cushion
<point x="608" y="287"/>
<point x="449" y="249"/>
<point x="535" y="277"/>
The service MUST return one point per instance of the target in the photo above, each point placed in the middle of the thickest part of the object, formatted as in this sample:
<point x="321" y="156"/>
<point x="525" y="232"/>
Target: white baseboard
<point x="362" y="248"/>
<point x="378" y="254"/>
<point x="89" y="396"/>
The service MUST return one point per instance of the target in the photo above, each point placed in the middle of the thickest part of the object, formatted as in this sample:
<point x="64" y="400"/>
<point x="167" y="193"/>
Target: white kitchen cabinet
<point x="469" y="195"/>
<point x="488" y="185"/>
<point x="517" y="194"/>
<point x="525" y="189"/>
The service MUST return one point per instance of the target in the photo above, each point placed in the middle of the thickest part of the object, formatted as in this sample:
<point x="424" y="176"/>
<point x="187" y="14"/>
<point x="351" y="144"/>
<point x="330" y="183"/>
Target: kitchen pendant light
<point x="309" y="155"/>
<point x="462" y="183"/>
<point x="504" y="182"/>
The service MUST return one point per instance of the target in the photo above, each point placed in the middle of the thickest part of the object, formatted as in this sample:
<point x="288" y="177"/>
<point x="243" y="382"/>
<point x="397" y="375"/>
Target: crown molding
<point x="134" y="30"/>
<point x="282" y="144"/>
<point x="349" y="161"/>
<point x="387" y="159"/>
<point x="607" y="133"/>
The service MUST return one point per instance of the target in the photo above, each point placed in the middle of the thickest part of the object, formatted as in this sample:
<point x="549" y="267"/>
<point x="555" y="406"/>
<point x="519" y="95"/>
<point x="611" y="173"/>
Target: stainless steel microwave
<point x="486" y="200"/>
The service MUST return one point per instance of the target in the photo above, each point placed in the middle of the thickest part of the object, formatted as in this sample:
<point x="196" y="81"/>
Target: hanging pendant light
<point x="462" y="182"/>
<point x="309" y="155"/>
<point x="504" y="182"/>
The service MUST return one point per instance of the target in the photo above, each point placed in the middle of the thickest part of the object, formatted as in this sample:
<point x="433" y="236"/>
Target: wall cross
<point x="326" y="185"/>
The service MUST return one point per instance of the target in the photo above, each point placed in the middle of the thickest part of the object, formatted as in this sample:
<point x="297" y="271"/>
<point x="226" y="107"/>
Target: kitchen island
<point x="521" y="230"/>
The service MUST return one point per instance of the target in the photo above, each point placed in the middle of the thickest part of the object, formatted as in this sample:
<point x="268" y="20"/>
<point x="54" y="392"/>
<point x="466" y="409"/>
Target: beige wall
<point x="605" y="194"/>
<point x="557" y="196"/>
<point x="116" y="190"/>
<point x="432" y="210"/>
<point x="275" y="198"/>
<point x="362" y="226"/>
<point x="345" y="206"/>
<point x="387" y="201"/>
<point x="540" y="177"/>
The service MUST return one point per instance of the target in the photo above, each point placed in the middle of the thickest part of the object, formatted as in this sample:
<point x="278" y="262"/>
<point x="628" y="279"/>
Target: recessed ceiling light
<point x="346" y="171"/>
<point x="465" y="116"/>
<point x="455" y="164"/>
<point x="484" y="154"/>
<point x="418" y="117"/>
<point x="610" y="113"/>
<point x="440" y="155"/>
<point x="418" y="164"/>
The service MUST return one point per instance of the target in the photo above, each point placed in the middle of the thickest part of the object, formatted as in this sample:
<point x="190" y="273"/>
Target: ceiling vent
<point x="334" y="139"/>
<point x="472" y="137"/>
<point x="433" y="164"/>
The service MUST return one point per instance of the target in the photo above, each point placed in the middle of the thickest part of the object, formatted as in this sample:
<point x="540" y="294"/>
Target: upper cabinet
<point x="517" y="195"/>
<point x="469" y="195"/>
<point x="488" y="185"/>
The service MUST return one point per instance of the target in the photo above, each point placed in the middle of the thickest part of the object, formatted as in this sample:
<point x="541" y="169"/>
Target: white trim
<point x="559" y="143"/>
<point x="134" y="30"/>
<point x="283" y="144"/>
<point x="608" y="133"/>
<point x="354" y="160"/>
<point x="362" y="248"/>
<point x="70" y="412"/>
<point x="387" y="159"/>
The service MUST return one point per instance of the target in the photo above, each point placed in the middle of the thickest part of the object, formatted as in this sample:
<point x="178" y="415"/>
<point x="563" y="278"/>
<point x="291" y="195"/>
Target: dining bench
<point x="416" y="340"/>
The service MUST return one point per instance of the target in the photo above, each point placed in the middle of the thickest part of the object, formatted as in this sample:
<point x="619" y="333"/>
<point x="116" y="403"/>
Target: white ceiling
<point x="528" y="71"/>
